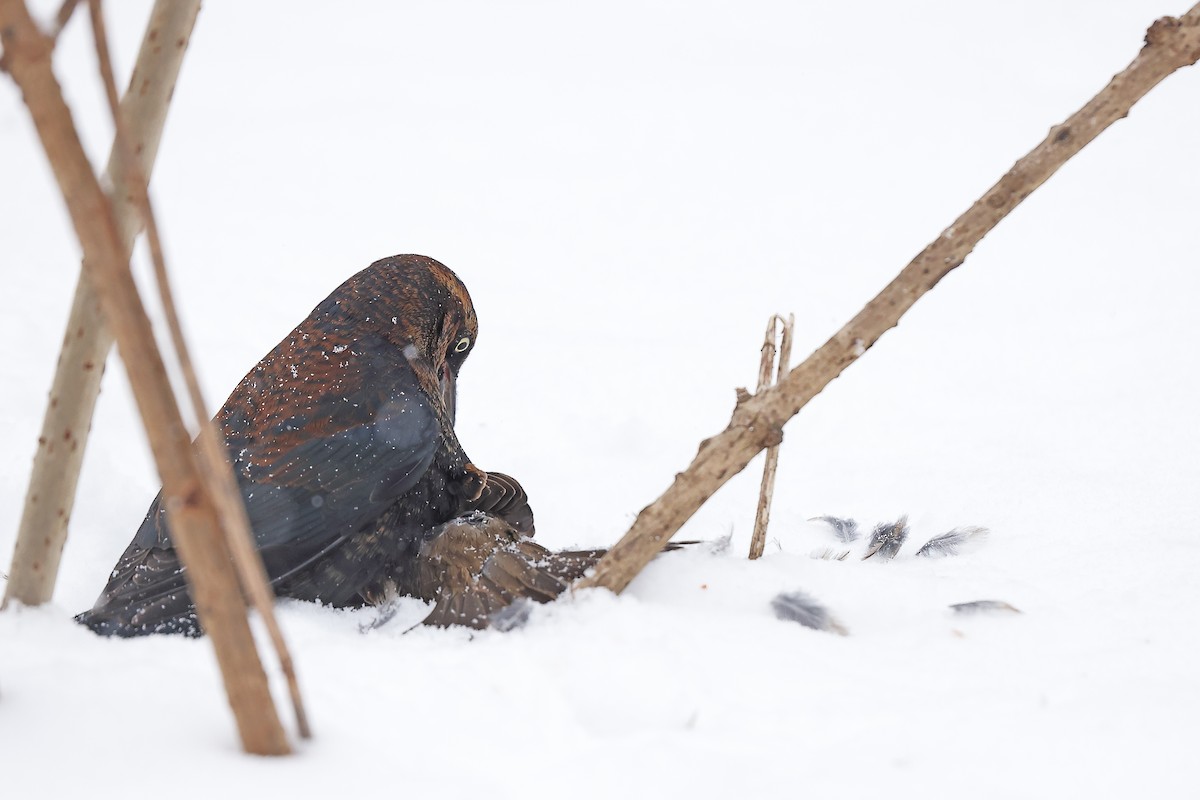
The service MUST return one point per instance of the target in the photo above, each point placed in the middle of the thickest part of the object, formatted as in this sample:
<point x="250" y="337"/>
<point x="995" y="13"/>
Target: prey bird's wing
<point x="476" y="566"/>
<point x="504" y="497"/>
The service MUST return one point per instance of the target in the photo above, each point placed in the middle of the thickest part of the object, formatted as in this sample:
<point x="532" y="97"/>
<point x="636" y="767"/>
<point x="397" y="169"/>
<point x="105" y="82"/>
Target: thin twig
<point x="100" y="40"/>
<point x="214" y="458"/>
<point x="63" y="438"/>
<point x="758" y="420"/>
<point x="779" y="328"/>
<point x="766" y="362"/>
<point x="785" y="348"/>
<point x="63" y="17"/>
<point x="195" y="526"/>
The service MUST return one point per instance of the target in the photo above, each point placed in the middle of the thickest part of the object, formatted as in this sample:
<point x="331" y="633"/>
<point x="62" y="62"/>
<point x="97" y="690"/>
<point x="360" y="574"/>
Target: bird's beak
<point x="448" y="391"/>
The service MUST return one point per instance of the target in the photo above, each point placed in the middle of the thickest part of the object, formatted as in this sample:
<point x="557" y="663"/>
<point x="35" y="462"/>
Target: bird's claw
<point x="471" y="485"/>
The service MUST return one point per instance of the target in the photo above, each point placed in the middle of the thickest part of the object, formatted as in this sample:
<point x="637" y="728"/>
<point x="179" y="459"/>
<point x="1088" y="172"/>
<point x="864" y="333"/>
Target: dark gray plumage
<point x="829" y="554"/>
<point x="720" y="545"/>
<point x="799" y="607"/>
<point x="514" y="616"/>
<point x="954" y="542"/>
<point x="887" y="539"/>
<point x="846" y="530"/>
<point x="984" y="607"/>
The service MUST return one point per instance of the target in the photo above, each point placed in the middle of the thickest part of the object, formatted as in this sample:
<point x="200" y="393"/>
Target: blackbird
<point x="342" y="440"/>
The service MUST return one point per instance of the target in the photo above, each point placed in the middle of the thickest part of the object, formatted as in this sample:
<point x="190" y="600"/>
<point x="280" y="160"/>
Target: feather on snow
<point x="799" y="607"/>
<point x="887" y="539"/>
<point x="846" y="530"/>
<point x="954" y="542"/>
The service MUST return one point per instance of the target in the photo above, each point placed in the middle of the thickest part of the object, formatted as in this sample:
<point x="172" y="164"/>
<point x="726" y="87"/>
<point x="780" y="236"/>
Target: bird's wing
<point x="504" y="497"/>
<point x="333" y="484"/>
<point x="477" y="565"/>
<point x="329" y="488"/>
<point x="304" y="497"/>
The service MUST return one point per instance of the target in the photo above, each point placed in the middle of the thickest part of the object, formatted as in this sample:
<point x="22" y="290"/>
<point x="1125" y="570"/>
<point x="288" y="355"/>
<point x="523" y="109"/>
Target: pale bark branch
<point x="195" y="526"/>
<point x="757" y="421"/>
<point x="779" y="328"/>
<point x="51" y="495"/>
<point x="214" y="459"/>
<point x="63" y="16"/>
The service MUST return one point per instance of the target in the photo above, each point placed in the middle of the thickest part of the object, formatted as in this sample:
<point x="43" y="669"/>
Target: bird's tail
<point x="146" y="592"/>
<point x="177" y="616"/>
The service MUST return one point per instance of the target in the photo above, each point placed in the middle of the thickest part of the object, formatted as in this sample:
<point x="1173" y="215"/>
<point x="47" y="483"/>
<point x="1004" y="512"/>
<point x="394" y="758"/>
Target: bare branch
<point x="1170" y="44"/>
<point x="195" y="526"/>
<point x="766" y="491"/>
<point x="63" y="17"/>
<point x="214" y="459"/>
<point x="100" y="40"/>
<point x="63" y="438"/>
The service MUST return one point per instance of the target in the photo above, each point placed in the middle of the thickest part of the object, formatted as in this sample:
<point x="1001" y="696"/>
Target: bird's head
<point x="419" y="305"/>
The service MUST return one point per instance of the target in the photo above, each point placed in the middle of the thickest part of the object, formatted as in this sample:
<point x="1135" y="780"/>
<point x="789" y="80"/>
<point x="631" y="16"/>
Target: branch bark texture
<point x="1171" y="43"/>
<point x="56" y="464"/>
<point x="194" y="521"/>
<point x="214" y="461"/>
<point x="766" y="489"/>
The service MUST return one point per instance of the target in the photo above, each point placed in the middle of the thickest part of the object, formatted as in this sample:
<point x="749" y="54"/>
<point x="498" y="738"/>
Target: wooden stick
<point x="758" y="421"/>
<point x="195" y="526"/>
<point x="56" y="464"/>
<point x="766" y="490"/>
<point x="766" y="366"/>
<point x="214" y="458"/>
<point x="785" y="348"/>
<point x="63" y="16"/>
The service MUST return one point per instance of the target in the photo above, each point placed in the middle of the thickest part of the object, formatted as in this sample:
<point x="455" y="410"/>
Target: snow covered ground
<point x="629" y="190"/>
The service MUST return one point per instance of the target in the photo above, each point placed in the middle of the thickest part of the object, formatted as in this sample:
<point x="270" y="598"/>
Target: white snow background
<point x="629" y="190"/>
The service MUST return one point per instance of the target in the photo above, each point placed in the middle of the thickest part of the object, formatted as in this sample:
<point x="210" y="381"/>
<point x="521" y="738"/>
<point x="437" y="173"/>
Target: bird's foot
<point x="470" y="486"/>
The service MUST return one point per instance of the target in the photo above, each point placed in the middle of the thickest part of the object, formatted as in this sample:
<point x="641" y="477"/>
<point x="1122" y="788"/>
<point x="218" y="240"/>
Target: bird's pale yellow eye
<point x="463" y="344"/>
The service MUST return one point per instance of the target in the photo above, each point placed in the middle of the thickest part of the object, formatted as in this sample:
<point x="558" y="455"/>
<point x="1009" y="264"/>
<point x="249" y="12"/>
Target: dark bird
<point x="343" y="444"/>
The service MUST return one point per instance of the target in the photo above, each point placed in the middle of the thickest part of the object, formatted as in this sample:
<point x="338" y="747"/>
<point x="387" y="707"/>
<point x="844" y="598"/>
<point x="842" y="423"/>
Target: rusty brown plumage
<point x="343" y="442"/>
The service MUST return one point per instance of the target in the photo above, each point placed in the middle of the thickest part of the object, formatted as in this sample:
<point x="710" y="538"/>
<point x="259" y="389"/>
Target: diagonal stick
<point x="63" y="439"/>
<point x="214" y="459"/>
<point x="196" y="530"/>
<point x="757" y="422"/>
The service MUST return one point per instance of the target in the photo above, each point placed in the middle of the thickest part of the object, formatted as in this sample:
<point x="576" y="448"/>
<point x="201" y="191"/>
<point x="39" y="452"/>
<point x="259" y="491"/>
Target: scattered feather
<point x="829" y="554"/>
<point x="846" y="530"/>
<point x="385" y="611"/>
<point x="799" y="607"/>
<point x="984" y="607"/>
<point x="721" y="545"/>
<point x="954" y="542"/>
<point x="512" y="616"/>
<point x="887" y="538"/>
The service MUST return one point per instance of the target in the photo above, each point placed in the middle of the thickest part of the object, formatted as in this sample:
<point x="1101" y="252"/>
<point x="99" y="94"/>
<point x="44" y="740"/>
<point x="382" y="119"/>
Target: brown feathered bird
<point x="477" y="565"/>
<point x="342" y="440"/>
